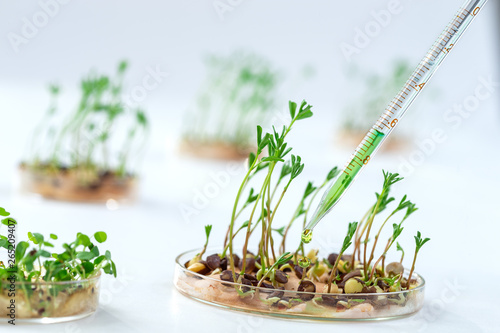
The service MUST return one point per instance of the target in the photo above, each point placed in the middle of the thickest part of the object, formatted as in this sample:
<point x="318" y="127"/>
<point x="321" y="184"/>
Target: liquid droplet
<point x="307" y="236"/>
<point x="304" y="262"/>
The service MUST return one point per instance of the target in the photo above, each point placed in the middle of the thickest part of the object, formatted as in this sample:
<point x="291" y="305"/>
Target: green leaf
<point x="304" y="115"/>
<point x="396" y="231"/>
<point x="53" y="236"/>
<point x="351" y="229"/>
<point x="264" y="142"/>
<point x="85" y="255"/>
<point x="21" y="250"/>
<point x="107" y="254"/>
<point x="83" y="239"/>
<point x="251" y="159"/>
<point x="9" y="221"/>
<point x="88" y="267"/>
<point x="399" y="248"/>
<point x="284" y="258"/>
<point x="208" y="229"/>
<point x="251" y="198"/>
<point x="259" y="135"/>
<point x="114" y="268"/>
<point x="100" y="236"/>
<point x="107" y="268"/>
<point x="3" y="243"/>
<point x="272" y="159"/>
<point x="293" y="107"/>
<point x="280" y="231"/>
<point x="309" y="190"/>
<point x="98" y="260"/>
<point x="244" y="225"/>
<point x="333" y="173"/>
<point x="285" y="170"/>
<point x="3" y="212"/>
<point x="95" y="251"/>
<point x="43" y="253"/>
<point x="36" y="238"/>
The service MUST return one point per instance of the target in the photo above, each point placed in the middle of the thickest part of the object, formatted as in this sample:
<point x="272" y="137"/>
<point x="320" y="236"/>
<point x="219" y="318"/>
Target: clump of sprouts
<point x="103" y="134"/>
<point x="358" y="267"/>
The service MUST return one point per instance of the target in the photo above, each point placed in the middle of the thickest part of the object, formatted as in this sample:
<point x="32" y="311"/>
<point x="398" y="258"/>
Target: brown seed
<point x="251" y="278"/>
<point x="267" y="285"/>
<point x="213" y="261"/>
<point x="279" y="292"/>
<point x="352" y="274"/>
<point x="394" y="268"/>
<point x="223" y="264"/>
<point x="332" y="258"/>
<point x="307" y="287"/>
<point x="227" y="275"/>
<point x="369" y="290"/>
<point x="298" y="271"/>
<point x="247" y="283"/>
<point x="200" y="267"/>
<point x="236" y="260"/>
<point x="250" y="265"/>
<point x="382" y="284"/>
<point x="280" y="276"/>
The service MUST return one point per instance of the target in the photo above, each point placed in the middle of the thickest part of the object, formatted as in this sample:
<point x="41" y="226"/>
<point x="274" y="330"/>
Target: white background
<point x="455" y="184"/>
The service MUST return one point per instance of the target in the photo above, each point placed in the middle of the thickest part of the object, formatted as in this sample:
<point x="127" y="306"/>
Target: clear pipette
<point x="395" y="110"/>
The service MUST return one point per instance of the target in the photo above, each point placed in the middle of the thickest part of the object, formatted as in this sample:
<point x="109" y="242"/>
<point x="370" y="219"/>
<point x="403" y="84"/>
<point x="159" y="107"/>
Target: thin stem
<point x="233" y="218"/>
<point x="369" y="224"/>
<point x="377" y="236"/>
<point x="334" y="270"/>
<point x="285" y="233"/>
<point x="412" y="268"/>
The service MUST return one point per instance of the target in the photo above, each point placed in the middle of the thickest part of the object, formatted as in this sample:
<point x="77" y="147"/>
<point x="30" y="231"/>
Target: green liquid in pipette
<point x="333" y="195"/>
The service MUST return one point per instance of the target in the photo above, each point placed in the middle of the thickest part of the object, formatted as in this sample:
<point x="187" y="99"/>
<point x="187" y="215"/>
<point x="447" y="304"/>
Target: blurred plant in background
<point x="97" y="140"/>
<point x="239" y="92"/>
<point x="378" y="90"/>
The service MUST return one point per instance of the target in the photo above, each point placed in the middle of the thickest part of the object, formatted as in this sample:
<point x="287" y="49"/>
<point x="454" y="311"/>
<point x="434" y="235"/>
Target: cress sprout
<point x="239" y="90"/>
<point x="100" y="138"/>
<point x="255" y="214"/>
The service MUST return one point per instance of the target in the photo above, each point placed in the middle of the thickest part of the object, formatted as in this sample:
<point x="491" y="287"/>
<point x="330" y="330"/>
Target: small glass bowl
<point x="49" y="302"/>
<point x="297" y="305"/>
<point x="63" y="185"/>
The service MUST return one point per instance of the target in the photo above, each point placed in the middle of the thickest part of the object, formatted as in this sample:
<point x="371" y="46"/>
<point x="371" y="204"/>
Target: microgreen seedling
<point x="258" y="202"/>
<point x="89" y="143"/>
<point x="239" y="89"/>
<point x="419" y="242"/>
<point x="351" y="229"/>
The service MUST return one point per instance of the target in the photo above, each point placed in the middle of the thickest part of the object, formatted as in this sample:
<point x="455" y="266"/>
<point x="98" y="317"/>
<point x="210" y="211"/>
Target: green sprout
<point x="419" y="242"/>
<point x="87" y="141"/>
<point x="399" y="248"/>
<point x="257" y="206"/>
<point x="283" y="259"/>
<point x="410" y="209"/>
<point x="208" y="230"/>
<point x="351" y="229"/>
<point x="383" y="200"/>
<point x="277" y="151"/>
<point x="239" y="89"/>
<point x="80" y="260"/>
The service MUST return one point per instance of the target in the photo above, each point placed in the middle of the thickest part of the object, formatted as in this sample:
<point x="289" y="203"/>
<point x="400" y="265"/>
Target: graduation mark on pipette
<point x="395" y="110"/>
